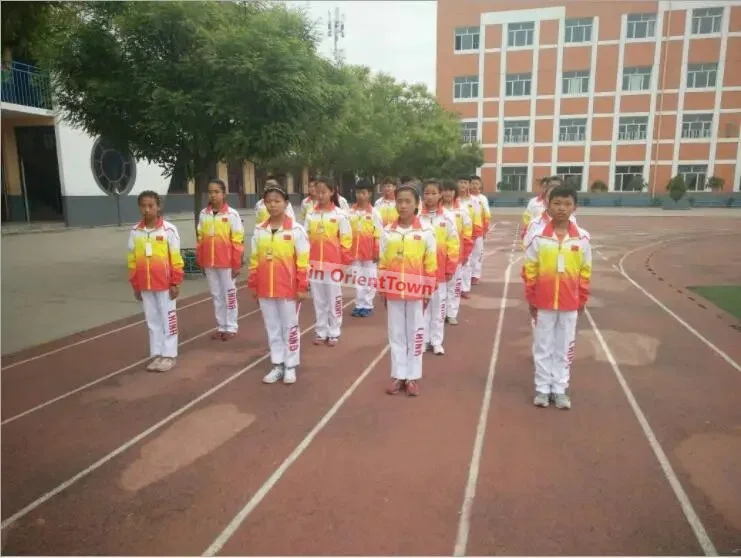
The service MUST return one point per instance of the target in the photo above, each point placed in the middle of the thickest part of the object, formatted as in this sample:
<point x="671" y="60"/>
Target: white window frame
<point x="698" y="173"/>
<point x="463" y="85"/>
<point x="707" y="72"/>
<point x="473" y="34"/>
<point x="565" y="172"/>
<point x="624" y="174"/>
<point x="513" y="80"/>
<point x="640" y="26"/>
<point x="707" y="21"/>
<point x="520" y="178"/>
<point x="469" y="131"/>
<point x="520" y="34"/>
<point x="578" y="30"/>
<point x="697" y="126"/>
<point x="632" y="128"/>
<point x="516" y="131"/>
<point x="636" y="78"/>
<point x="572" y="130"/>
<point x="575" y="83"/>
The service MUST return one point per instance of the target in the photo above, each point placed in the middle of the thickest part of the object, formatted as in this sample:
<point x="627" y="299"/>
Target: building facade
<point x="629" y="93"/>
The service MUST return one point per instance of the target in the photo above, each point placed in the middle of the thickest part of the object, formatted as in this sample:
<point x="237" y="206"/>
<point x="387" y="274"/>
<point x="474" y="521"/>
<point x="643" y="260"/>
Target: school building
<point x="629" y="93"/>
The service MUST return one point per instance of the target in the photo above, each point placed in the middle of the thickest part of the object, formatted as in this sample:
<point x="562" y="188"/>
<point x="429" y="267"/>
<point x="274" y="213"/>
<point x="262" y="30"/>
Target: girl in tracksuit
<point x="386" y="205"/>
<point x="470" y="204"/>
<point x="464" y="226"/>
<point x="261" y="211"/>
<point x="442" y="222"/>
<point x="477" y="255"/>
<point x="407" y="257"/>
<point x="279" y="262"/>
<point x="366" y="226"/>
<point x="307" y="204"/>
<point x="155" y="270"/>
<point x="219" y="252"/>
<point x="330" y="240"/>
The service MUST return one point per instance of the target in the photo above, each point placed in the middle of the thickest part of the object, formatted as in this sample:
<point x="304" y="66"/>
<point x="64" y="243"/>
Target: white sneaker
<point x="438" y="350"/>
<point x="155" y="364"/>
<point x="562" y="401"/>
<point x="166" y="364"/>
<point x="274" y="375"/>
<point x="290" y="376"/>
<point x="542" y="399"/>
<point x="453" y="321"/>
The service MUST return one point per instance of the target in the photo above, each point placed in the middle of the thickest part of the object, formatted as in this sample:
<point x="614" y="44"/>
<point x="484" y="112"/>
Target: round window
<point x="114" y="171"/>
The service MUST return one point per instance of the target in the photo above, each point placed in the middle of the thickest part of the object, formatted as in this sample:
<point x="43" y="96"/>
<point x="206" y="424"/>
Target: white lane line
<point x="464" y="523"/>
<point x="94" y="337"/>
<point x="107" y="376"/>
<point x="689" y="512"/>
<point x="620" y="269"/>
<point x="136" y="439"/>
<point x="258" y="497"/>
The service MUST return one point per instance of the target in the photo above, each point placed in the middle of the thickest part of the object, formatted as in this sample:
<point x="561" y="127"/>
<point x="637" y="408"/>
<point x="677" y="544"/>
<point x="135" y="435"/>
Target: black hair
<point x="414" y="192"/>
<point x="562" y="191"/>
<point x="273" y="186"/>
<point x="150" y="194"/>
<point x="450" y="186"/>
<point x="405" y="179"/>
<point x="364" y="185"/>
<point x="555" y="178"/>
<point x="465" y="178"/>
<point x="388" y="180"/>
<point x="220" y="183"/>
<point x="312" y="178"/>
<point x="545" y="180"/>
<point x="475" y="177"/>
<point x="329" y="183"/>
<point x="433" y="181"/>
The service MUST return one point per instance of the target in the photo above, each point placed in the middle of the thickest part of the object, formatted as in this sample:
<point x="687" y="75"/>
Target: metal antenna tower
<point x="336" y="30"/>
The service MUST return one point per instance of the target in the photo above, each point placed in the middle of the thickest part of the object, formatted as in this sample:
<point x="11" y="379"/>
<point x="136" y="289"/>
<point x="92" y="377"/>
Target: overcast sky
<point x="395" y="37"/>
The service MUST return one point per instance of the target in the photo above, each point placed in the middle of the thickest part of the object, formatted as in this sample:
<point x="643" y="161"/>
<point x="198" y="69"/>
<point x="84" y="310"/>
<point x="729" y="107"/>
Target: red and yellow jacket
<point x="447" y="241"/>
<point x="386" y="207"/>
<point x="464" y="224"/>
<point x="307" y="205"/>
<point x="220" y="238"/>
<point x="485" y="212"/>
<point x="535" y="208"/>
<point x="154" y="259"/>
<point x="261" y="212"/>
<point x="474" y="211"/>
<point x="407" y="256"/>
<point x="279" y="260"/>
<point x="366" y="228"/>
<point x="557" y="273"/>
<point x="330" y="237"/>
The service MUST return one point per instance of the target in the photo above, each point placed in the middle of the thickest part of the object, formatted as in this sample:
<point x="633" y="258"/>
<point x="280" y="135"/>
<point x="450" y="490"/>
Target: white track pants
<point x="453" y="289"/>
<point x="477" y="257"/>
<point x="553" y="350"/>
<point x="466" y="270"/>
<point x="281" y="322"/>
<point x="162" y="321"/>
<point x="365" y="294"/>
<point x="224" y="295"/>
<point x="435" y="316"/>
<point x="406" y="323"/>
<point x="327" y="298"/>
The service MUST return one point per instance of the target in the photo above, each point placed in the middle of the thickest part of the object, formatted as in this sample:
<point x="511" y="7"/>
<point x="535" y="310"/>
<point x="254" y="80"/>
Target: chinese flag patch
<point x="225" y="219"/>
<point x="574" y="247"/>
<point x="159" y="238"/>
<point x="333" y="220"/>
<point x="417" y="237"/>
<point x="286" y="237"/>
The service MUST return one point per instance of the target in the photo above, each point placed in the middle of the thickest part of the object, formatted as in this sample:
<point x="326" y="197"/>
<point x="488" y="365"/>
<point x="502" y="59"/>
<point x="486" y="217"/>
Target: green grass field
<point x="725" y="297"/>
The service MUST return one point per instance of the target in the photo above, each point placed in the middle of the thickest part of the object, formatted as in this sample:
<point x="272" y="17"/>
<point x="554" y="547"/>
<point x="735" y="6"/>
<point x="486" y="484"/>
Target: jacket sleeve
<point x="430" y="259"/>
<point x="253" y="263"/>
<point x="237" y="238"/>
<point x="585" y="275"/>
<point x="486" y="213"/>
<point x="466" y="236"/>
<point x="526" y="218"/>
<point x="377" y="231"/>
<point x="301" y="249"/>
<point x="199" y="240"/>
<point x="131" y="259"/>
<point x="478" y="226"/>
<point x="530" y="268"/>
<point x="453" y="248"/>
<point x="177" y="265"/>
<point x="345" y="238"/>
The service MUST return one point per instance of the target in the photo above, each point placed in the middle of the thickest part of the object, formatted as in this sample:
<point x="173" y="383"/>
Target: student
<point x="156" y="270"/>
<point x="261" y="212"/>
<point x="366" y="226"/>
<point x="477" y="257"/>
<point x="330" y="239"/>
<point x="557" y="273"/>
<point x="343" y="204"/>
<point x="219" y="252"/>
<point x="307" y="204"/>
<point x="464" y="226"/>
<point x="386" y="205"/>
<point x="472" y="205"/>
<point x="279" y="262"/>
<point x="535" y="205"/>
<point x="442" y="222"/>
<point x="408" y="251"/>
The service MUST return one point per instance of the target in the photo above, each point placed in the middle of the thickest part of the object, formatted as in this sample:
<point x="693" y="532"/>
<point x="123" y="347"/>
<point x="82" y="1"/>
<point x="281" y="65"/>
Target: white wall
<point x="74" y="151"/>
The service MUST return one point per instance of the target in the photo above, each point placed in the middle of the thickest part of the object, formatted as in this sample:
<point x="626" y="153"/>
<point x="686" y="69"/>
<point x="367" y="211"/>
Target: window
<point x="641" y="26"/>
<point x="466" y="87"/>
<point x="697" y="125"/>
<point x="575" y="83"/>
<point x="469" y="131"/>
<point x="701" y="75"/>
<point x="571" y="175"/>
<point x="625" y="175"/>
<point x="572" y="129"/>
<point x="706" y="20"/>
<point x="518" y="85"/>
<point x="516" y="131"/>
<point x="637" y="78"/>
<point x="520" y="34"/>
<point x="694" y="176"/>
<point x="466" y="38"/>
<point x="579" y="30"/>
<point x="514" y="179"/>
<point x="114" y="170"/>
<point x="632" y="128"/>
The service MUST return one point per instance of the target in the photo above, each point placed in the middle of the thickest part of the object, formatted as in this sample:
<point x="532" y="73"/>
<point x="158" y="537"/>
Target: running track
<point x="206" y="459"/>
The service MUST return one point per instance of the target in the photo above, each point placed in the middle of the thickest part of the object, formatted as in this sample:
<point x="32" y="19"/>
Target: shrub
<point x="598" y="186"/>
<point x="716" y="183"/>
<point x="677" y="188"/>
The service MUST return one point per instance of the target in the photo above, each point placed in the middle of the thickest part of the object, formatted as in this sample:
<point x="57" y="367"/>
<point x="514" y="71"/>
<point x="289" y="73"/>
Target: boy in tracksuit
<point x="557" y="273"/>
<point x="366" y="226"/>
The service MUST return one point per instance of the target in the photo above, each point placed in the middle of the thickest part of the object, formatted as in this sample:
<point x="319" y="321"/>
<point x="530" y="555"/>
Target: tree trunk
<point x="203" y="172"/>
